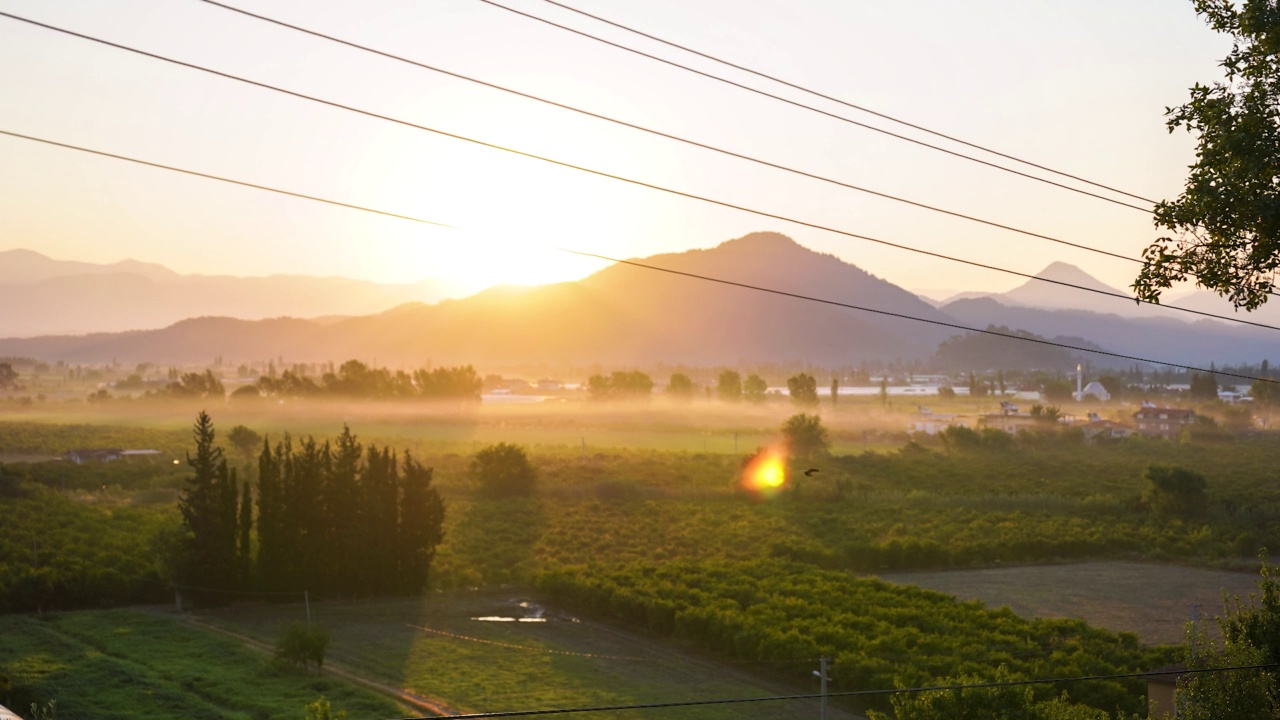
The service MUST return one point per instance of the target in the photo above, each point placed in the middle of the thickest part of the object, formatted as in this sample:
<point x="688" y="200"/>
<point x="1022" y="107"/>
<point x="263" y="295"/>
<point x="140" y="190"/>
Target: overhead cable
<point x="721" y="281"/>
<point x="640" y="183"/>
<point x="811" y="108"/>
<point x="659" y="133"/>
<point x="838" y="101"/>
<point x="219" y="178"/>
<point x="851" y="693"/>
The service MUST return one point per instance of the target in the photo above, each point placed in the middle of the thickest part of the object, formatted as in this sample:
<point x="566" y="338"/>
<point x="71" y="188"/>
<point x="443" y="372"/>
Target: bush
<point x="1174" y="491"/>
<point x="503" y="470"/>
<point x="805" y="436"/>
<point x="298" y="645"/>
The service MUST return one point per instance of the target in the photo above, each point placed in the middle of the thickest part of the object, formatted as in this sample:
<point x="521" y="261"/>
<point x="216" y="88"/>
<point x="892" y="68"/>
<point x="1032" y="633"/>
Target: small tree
<point x="803" y="389"/>
<point x="729" y="386"/>
<point x="297" y="645"/>
<point x="503" y="470"/>
<point x="1250" y="636"/>
<point x="244" y="440"/>
<point x="322" y="710"/>
<point x="754" y="389"/>
<point x="680" y="386"/>
<point x="1174" y="491"/>
<point x="805" y="436"/>
<point x="8" y="376"/>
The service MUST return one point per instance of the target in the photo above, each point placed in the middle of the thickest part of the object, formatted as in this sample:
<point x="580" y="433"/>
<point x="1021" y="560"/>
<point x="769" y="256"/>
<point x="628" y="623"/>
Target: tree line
<point x="332" y="518"/>
<point x="355" y="379"/>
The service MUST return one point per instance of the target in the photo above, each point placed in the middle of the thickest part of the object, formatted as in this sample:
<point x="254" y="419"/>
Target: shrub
<point x="298" y="645"/>
<point x="805" y="435"/>
<point x="503" y="470"/>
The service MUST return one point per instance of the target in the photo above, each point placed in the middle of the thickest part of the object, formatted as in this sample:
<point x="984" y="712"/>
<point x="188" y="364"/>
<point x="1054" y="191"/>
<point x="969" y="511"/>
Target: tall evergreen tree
<point x="306" y="473"/>
<point x="421" y="527"/>
<point x="379" y="491"/>
<point x="342" y="510"/>
<point x="271" y="538"/>
<point x="208" y="507"/>
<point x="245" y="527"/>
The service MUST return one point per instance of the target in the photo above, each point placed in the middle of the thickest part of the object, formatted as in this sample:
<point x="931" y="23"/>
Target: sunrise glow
<point x="766" y="475"/>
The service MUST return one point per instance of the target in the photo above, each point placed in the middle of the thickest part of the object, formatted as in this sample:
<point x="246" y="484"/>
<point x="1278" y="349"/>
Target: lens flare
<point x="766" y="475"/>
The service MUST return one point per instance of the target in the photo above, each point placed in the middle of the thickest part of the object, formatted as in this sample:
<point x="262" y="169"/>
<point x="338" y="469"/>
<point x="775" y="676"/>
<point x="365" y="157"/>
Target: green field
<point x="88" y="536"/>
<point x="135" y="666"/>
<point x="434" y="647"/>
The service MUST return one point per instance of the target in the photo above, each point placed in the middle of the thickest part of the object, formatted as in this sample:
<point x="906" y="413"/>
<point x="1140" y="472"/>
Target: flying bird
<point x="810" y="472"/>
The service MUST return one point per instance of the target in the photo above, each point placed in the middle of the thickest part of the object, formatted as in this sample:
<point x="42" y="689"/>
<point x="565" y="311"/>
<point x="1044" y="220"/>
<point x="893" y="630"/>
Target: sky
<point x="1079" y="86"/>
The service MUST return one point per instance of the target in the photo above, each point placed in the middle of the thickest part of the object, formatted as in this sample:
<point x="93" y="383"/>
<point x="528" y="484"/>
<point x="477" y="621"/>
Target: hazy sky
<point x="1081" y="86"/>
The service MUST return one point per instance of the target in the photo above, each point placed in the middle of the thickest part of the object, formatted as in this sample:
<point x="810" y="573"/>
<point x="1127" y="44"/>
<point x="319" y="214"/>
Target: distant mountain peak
<point x="1066" y="272"/>
<point x="762" y="241"/>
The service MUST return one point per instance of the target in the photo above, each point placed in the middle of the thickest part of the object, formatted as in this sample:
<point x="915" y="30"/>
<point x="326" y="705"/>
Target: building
<point x="1095" y="389"/>
<point x="85" y="455"/>
<point x="1013" y="423"/>
<point x="1096" y="430"/>
<point x="1163" y="422"/>
<point x="928" y="423"/>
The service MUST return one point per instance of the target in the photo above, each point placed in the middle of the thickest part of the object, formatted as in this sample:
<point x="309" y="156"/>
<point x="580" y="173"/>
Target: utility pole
<point x="821" y="674"/>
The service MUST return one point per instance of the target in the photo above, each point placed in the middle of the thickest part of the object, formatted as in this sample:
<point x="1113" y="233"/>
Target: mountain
<point x="43" y="296"/>
<point x="619" y="315"/>
<point x="1166" y="339"/>
<point x="626" y="315"/>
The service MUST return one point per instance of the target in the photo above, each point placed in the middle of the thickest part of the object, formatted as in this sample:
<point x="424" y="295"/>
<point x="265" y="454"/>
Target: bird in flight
<point x="810" y="472"/>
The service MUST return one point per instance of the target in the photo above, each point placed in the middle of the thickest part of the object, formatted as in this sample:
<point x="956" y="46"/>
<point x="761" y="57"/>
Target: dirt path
<point x="418" y="702"/>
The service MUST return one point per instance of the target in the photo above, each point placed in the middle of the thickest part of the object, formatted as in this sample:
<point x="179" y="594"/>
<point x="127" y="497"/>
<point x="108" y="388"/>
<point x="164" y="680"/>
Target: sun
<point x="766" y="475"/>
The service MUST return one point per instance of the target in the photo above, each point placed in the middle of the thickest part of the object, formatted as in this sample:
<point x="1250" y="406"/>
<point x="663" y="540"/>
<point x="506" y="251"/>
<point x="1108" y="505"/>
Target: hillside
<point x="44" y="296"/>
<point x="621" y="314"/>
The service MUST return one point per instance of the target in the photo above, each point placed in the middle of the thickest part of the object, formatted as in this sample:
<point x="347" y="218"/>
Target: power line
<point x="219" y="178"/>
<point x="851" y="693"/>
<point x="860" y="108"/>
<point x="721" y="281"/>
<point x="620" y="178"/>
<point x="811" y="108"/>
<point x="659" y="133"/>
<point x="905" y="316"/>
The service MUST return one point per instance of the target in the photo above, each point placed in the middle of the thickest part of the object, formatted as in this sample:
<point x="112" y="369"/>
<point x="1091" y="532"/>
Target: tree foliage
<point x="620" y="385"/>
<point x="1224" y="228"/>
<point x="345" y="519"/>
<point x="805" y="436"/>
<point x="754" y="389"/>
<point x="208" y="507"/>
<point x="503" y="470"/>
<point x="803" y="389"/>
<point x="302" y="646"/>
<point x="1250" y="636"/>
<point x="8" y="377"/>
<point x="1174" y="492"/>
<point x="729" y="386"/>
<point x="680" y="386"/>
<point x="879" y="634"/>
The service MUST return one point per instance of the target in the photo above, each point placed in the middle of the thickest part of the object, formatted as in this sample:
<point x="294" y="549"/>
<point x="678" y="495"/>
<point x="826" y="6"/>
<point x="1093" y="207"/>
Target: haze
<point x="1080" y="86"/>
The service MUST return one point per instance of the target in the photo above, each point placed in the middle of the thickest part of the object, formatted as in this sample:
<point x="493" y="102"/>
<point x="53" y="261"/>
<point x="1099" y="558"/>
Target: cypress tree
<point x="421" y="526"/>
<point x="208" y="507"/>
<point x="245" y="526"/>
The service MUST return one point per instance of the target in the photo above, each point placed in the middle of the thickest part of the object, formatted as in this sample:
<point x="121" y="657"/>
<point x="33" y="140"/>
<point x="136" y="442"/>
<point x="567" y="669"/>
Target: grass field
<point x="435" y="647"/>
<point x="1153" y="601"/>
<point x="137" y="666"/>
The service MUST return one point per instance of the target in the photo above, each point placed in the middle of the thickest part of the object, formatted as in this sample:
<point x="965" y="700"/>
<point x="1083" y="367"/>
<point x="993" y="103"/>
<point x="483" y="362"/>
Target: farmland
<point x="638" y="492"/>
<point x="137" y="666"/>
